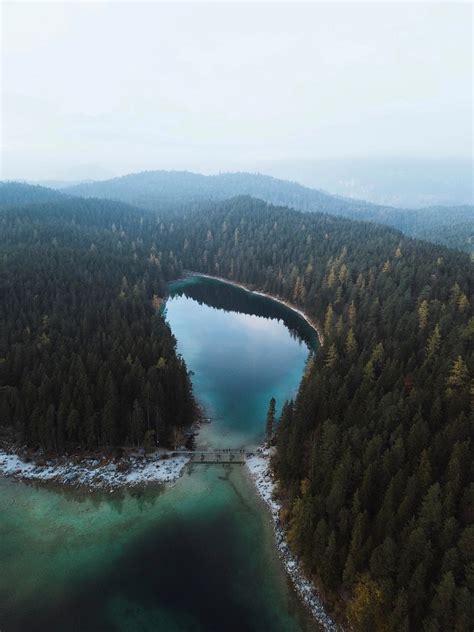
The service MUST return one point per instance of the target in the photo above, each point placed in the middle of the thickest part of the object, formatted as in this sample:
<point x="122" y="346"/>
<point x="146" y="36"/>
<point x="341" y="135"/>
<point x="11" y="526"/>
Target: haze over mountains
<point x="405" y="182"/>
<point x="158" y="190"/>
<point x="19" y="193"/>
<point x="452" y="226"/>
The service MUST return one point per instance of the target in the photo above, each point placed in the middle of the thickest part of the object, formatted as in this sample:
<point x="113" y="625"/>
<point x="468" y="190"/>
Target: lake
<point x="198" y="556"/>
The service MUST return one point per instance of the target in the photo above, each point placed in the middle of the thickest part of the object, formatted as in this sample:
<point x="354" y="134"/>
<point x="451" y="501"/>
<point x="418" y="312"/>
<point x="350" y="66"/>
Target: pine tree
<point x="423" y="312"/>
<point x="270" y="420"/>
<point x="351" y="343"/>
<point x="463" y="303"/>
<point x="433" y="342"/>
<point x="457" y="376"/>
<point x="331" y="357"/>
<point x="328" y="321"/>
<point x="443" y="601"/>
<point x="137" y="423"/>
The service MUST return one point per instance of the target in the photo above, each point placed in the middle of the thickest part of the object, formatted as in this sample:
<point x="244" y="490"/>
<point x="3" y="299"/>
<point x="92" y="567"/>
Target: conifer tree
<point x="270" y="420"/>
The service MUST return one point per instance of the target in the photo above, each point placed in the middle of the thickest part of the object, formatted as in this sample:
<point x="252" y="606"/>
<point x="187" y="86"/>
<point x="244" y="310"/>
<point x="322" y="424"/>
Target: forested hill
<point x="18" y="193"/>
<point x="153" y="189"/>
<point x="87" y="360"/>
<point x="161" y="189"/>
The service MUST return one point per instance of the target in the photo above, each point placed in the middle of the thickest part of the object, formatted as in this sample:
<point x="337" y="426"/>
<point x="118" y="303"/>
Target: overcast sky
<point x="94" y="90"/>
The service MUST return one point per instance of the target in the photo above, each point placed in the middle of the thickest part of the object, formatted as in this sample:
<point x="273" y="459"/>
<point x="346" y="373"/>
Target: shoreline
<point x="96" y="473"/>
<point x="260" y="472"/>
<point x="312" y="323"/>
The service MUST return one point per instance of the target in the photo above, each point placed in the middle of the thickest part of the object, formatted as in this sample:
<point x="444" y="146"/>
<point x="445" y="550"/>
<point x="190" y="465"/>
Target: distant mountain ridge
<point x="151" y="188"/>
<point x="161" y="190"/>
<point x="450" y="226"/>
<point x="387" y="181"/>
<point x="20" y="193"/>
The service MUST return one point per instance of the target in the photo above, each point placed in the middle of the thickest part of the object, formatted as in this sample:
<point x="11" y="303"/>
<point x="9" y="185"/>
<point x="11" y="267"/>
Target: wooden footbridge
<point x="217" y="456"/>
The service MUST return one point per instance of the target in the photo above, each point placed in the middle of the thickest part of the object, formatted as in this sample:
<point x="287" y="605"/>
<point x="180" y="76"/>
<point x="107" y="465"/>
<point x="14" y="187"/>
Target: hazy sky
<point x="99" y="89"/>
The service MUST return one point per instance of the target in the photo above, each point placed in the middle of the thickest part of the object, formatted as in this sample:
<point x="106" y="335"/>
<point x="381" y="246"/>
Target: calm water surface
<point x="195" y="557"/>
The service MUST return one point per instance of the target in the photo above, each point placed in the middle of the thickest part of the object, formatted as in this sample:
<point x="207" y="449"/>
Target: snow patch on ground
<point x="91" y="473"/>
<point x="259" y="466"/>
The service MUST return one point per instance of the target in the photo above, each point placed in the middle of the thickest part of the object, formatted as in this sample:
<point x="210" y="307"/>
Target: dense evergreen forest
<point x="160" y="190"/>
<point x="17" y="194"/>
<point x="87" y="361"/>
<point x="374" y="457"/>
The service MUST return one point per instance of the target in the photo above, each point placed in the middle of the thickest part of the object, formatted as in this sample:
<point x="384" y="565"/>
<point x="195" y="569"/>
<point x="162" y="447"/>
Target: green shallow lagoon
<point x="197" y="556"/>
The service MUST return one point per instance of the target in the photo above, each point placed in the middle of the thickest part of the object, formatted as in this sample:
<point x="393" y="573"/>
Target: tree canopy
<point x="87" y="360"/>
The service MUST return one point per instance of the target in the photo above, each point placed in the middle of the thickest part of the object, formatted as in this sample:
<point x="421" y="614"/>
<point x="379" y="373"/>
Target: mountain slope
<point x="19" y="194"/>
<point x="153" y="188"/>
<point x="453" y="227"/>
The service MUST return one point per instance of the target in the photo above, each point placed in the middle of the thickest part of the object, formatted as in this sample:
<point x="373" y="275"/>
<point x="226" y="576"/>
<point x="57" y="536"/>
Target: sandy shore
<point x="259" y="466"/>
<point x="312" y="323"/>
<point x="93" y="473"/>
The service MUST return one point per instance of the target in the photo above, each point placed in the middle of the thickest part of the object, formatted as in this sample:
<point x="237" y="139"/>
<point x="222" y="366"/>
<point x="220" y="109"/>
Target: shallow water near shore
<point x="197" y="556"/>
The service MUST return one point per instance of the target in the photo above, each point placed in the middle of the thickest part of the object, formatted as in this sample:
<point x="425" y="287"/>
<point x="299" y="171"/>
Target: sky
<point x="94" y="90"/>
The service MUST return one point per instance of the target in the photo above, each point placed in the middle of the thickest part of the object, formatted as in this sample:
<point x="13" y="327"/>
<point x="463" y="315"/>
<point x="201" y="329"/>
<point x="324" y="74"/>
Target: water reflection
<point x="230" y="298"/>
<point x="144" y="496"/>
<point x="242" y="350"/>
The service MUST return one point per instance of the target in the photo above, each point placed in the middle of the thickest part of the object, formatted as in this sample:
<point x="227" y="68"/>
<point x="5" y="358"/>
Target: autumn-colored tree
<point x="457" y="376"/>
<point x="365" y="610"/>
<point x="332" y="357"/>
<point x="433" y="342"/>
<point x="423" y="312"/>
<point x="328" y="320"/>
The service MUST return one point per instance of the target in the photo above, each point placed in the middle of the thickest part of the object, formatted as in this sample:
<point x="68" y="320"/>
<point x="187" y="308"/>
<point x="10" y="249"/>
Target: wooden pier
<point x="217" y="456"/>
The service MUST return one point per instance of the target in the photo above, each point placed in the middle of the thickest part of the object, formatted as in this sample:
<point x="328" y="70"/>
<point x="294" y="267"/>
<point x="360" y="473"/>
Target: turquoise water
<point x="239" y="358"/>
<point x="197" y="556"/>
